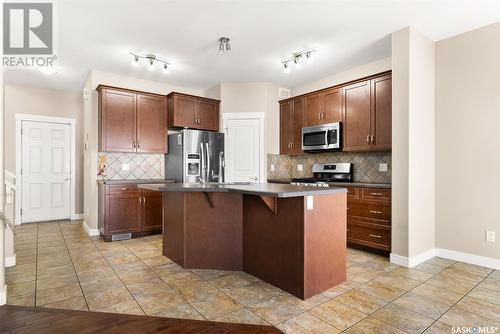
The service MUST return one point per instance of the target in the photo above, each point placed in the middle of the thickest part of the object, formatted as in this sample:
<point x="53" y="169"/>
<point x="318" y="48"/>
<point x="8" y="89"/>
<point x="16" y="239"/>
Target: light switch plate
<point x="300" y="167"/>
<point x="490" y="236"/>
<point x="382" y="167"/>
<point x="272" y="168"/>
<point x="310" y="202"/>
<point x="125" y="166"/>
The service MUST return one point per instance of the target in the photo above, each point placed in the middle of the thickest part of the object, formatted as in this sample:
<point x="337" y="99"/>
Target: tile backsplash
<point x="365" y="165"/>
<point x="141" y="166"/>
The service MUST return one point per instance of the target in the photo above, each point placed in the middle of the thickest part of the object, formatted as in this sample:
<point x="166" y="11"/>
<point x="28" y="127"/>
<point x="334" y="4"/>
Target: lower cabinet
<point x="127" y="209"/>
<point x="369" y="217"/>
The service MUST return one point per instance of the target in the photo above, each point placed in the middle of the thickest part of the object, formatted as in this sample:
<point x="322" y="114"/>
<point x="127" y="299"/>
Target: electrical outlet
<point x="300" y="167"/>
<point x="272" y="168"/>
<point x="490" y="236"/>
<point x="125" y="166"/>
<point x="310" y="203"/>
<point x="382" y="167"/>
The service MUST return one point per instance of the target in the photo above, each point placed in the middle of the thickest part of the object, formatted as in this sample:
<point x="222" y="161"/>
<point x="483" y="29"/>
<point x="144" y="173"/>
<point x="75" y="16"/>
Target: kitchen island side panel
<point x="325" y="243"/>
<point x="273" y="243"/>
<point x="214" y="230"/>
<point x="174" y="229"/>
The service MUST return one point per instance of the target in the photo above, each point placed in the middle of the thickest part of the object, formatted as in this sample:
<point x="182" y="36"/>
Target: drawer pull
<point x="375" y="236"/>
<point x="376" y="212"/>
<point x="376" y="194"/>
<point x="123" y="189"/>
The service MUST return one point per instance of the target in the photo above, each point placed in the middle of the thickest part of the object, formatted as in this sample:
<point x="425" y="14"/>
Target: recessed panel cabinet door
<point x="313" y="110"/>
<point x="332" y="106"/>
<point x="151" y="124"/>
<point x="151" y="217"/>
<point x="356" y="126"/>
<point x="286" y="127"/>
<point x="123" y="212"/>
<point x="118" y="121"/>
<point x="298" y="123"/>
<point x="185" y="112"/>
<point x="381" y="113"/>
<point x="208" y="115"/>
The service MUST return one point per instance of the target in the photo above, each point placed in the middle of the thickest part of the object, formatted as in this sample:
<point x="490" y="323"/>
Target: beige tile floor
<point x="59" y="266"/>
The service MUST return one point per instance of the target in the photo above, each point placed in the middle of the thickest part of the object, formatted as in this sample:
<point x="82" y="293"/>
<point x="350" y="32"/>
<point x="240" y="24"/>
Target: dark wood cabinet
<point x="131" y="121"/>
<point x="363" y="106"/>
<point x="369" y="217"/>
<point x="292" y="118"/>
<point x="356" y="125"/>
<point x="125" y="208"/>
<point x="187" y="111"/>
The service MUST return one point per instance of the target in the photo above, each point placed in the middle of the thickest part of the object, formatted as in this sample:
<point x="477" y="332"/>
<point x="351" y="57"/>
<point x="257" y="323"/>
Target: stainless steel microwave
<point x="324" y="137"/>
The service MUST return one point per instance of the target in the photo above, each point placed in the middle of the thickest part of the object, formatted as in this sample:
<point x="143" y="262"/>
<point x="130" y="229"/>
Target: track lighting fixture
<point x="297" y="59"/>
<point x="224" y="46"/>
<point x="151" y="59"/>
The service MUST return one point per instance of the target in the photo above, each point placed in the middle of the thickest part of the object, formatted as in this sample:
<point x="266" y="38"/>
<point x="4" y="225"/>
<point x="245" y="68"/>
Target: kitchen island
<point x="293" y="237"/>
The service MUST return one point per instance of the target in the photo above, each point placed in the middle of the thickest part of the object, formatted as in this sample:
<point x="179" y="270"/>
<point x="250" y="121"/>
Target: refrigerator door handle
<point x="203" y="168"/>
<point x="208" y="162"/>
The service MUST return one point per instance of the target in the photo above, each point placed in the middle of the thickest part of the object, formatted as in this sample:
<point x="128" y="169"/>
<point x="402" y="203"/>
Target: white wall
<point x="343" y="77"/>
<point x="468" y="141"/>
<point x="94" y="79"/>
<point x="413" y="182"/>
<point x="44" y="102"/>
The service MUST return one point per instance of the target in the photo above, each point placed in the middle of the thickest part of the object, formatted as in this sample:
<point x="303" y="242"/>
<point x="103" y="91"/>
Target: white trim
<point x="48" y="119"/>
<point x="483" y="261"/>
<point x="10" y="261"/>
<point x="3" y="295"/>
<point x="414" y="260"/>
<point x="77" y="216"/>
<point x="250" y="115"/>
<point x="90" y="231"/>
<point x="399" y="260"/>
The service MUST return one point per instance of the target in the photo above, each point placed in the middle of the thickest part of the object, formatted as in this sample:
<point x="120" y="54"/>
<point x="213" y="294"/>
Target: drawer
<point x="380" y="211"/>
<point x="351" y="192"/>
<point x="370" y="235"/>
<point x="380" y="194"/>
<point x="121" y="188"/>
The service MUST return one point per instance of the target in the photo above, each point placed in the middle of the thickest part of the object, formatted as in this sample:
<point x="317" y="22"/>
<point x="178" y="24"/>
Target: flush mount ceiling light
<point x="297" y="59"/>
<point x="224" y="46"/>
<point x="152" y="60"/>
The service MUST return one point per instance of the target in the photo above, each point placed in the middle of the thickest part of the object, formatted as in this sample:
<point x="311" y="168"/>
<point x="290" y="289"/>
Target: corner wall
<point x="468" y="142"/>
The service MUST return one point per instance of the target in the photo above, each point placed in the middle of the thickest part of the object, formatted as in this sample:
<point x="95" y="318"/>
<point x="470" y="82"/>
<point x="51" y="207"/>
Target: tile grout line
<point x="113" y="269"/>
<point x="74" y="268"/>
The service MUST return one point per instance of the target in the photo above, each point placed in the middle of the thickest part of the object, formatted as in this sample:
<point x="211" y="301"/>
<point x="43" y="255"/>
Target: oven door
<point x="321" y="137"/>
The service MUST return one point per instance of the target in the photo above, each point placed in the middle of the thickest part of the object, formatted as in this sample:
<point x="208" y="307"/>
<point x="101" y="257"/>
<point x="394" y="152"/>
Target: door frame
<point x="260" y="116"/>
<point x="44" y="119"/>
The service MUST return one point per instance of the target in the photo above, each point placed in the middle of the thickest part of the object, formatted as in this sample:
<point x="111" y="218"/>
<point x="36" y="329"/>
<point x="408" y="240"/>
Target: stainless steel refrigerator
<point x="195" y="156"/>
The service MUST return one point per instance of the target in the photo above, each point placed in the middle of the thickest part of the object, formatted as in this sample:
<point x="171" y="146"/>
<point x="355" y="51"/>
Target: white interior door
<point x="46" y="171"/>
<point x="243" y="149"/>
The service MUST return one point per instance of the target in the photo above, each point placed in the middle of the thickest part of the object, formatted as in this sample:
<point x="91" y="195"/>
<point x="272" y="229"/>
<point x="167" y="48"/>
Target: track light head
<point x="286" y="68"/>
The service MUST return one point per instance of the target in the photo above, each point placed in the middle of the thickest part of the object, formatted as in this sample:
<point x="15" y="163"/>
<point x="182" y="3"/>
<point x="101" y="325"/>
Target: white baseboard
<point x="10" y="261"/>
<point x="483" y="261"/>
<point x="446" y="254"/>
<point x="77" y="216"/>
<point x="90" y="231"/>
<point x="413" y="260"/>
<point x="3" y="295"/>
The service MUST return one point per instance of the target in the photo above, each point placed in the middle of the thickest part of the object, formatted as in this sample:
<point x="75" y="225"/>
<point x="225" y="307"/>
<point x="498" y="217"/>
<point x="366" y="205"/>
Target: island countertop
<point x="260" y="189"/>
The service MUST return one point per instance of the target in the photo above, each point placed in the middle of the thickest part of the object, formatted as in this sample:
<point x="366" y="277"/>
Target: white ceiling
<point x="98" y="35"/>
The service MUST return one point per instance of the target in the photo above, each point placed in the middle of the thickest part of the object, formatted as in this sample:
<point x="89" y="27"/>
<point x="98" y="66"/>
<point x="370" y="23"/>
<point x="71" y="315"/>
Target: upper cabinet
<point x="131" y="121"/>
<point x="364" y="107"/>
<point x="367" y="120"/>
<point x="324" y="107"/>
<point x="292" y="119"/>
<point x="187" y="111"/>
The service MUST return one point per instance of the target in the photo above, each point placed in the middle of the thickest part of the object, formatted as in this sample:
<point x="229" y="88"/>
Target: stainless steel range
<point x="323" y="174"/>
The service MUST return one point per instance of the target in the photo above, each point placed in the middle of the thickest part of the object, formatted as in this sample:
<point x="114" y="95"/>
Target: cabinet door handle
<point x="371" y="139"/>
<point x="375" y="236"/>
<point x="123" y="189"/>
<point x="376" y="212"/>
<point x="376" y="194"/>
<point x="138" y="144"/>
<point x="368" y="139"/>
<point x="140" y="201"/>
<point x="291" y="146"/>
<point x="133" y="143"/>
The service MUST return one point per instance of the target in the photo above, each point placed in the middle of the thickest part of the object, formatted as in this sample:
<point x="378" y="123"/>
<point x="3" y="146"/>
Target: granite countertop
<point x="262" y="189"/>
<point x="340" y="184"/>
<point x="136" y="181"/>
